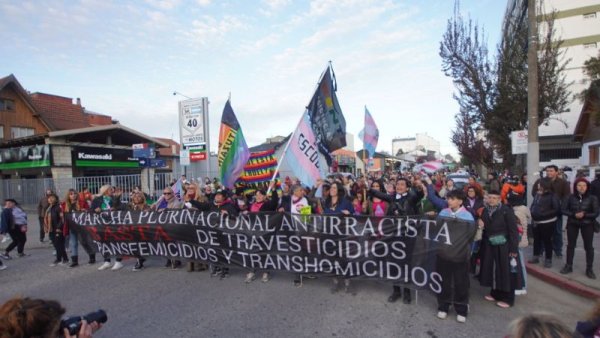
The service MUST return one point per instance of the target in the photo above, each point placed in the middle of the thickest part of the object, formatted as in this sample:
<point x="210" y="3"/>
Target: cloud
<point x="203" y="3"/>
<point x="163" y="4"/>
<point x="209" y="29"/>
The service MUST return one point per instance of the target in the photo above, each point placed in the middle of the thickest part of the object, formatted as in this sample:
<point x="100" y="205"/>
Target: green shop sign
<point x="36" y="156"/>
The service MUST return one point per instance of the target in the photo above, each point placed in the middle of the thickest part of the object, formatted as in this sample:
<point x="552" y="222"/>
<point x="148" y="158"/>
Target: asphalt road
<point x="159" y="302"/>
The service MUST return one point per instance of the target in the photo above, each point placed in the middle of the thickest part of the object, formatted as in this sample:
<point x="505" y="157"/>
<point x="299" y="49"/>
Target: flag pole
<point x="287" y="145"/>
<point x="363" y="154"/>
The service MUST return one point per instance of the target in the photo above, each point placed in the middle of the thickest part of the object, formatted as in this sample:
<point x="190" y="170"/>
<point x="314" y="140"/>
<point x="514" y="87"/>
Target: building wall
<point x="413" y="143"/>
<point x="406" y="144"/>
<point x="22" y="116"/>
<point x="581" y="40"/>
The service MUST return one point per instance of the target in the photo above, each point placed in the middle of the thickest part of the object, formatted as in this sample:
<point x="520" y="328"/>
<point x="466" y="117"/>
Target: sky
<point x="126" y="58"/>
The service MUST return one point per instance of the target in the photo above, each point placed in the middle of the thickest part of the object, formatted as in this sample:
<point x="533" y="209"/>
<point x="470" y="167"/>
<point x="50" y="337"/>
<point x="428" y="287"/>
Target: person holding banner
<point x="262" y="204"/>
<point x="72" y="204"/>
<point x="402" y="203"/>
<point x="296" y="204"/>
<point x="335" y="204"/>
<point x="170" y="201"/>
<point x="105" y="201"/>
<point x="223" y="205"/>
<point x="499" y="251"/>
<point x="455" y="272"/>
<point x="138" y="203"/>
<point x="193" y="199"/>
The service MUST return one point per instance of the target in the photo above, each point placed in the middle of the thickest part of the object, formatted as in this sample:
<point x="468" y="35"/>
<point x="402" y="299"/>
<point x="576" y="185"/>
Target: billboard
<point x="193" y="121"/>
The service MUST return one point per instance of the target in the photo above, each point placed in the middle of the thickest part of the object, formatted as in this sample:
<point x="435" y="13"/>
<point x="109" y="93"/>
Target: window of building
<point x="7" y="104"/>
<point x="16" y="132"/>
<point x="594" y="155"/>
<point x="590" y="45"/>
<point x="589" y="15"/>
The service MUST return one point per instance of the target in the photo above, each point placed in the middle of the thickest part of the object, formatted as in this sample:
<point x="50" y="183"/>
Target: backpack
<point x="20" y="216"/>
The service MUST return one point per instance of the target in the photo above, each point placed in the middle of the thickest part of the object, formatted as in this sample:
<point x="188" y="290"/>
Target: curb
<point x="561" y="282"/>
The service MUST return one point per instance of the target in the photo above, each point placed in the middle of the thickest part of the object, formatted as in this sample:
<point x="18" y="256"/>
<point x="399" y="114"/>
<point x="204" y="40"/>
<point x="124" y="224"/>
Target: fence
<point x="29" y="191"/>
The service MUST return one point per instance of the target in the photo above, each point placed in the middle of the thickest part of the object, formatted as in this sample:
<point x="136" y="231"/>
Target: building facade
<point x="420" y="143"/>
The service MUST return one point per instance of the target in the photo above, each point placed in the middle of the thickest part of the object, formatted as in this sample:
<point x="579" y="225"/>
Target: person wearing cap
<point x="499" y="251"/>
<point x="581" y="209"/>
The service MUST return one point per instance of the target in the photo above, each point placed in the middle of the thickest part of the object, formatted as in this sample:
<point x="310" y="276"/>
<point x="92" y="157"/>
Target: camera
<point x="73" y="324"/>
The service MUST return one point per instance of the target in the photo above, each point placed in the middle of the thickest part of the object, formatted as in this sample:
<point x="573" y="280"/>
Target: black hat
<point x="10" y="200"/>
<point x="222" y="192"/>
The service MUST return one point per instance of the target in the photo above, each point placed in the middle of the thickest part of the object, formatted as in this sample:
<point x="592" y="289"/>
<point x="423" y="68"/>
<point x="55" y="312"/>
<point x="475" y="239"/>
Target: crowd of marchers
<point x="497" y="205"/>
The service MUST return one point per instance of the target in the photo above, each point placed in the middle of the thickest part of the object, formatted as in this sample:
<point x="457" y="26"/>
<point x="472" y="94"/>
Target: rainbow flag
<point x="233" y="150"/>
<point x="258" y="171"/>
<point x="370" y="134"/>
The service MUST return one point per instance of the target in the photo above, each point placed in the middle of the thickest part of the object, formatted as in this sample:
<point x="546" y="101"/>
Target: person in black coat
<point x="223" y="205"/>
<point x="403" y="203"/>
<point x="499" y="251"/>
<point x="545" y="209"/>
<point x="581" y="209"/>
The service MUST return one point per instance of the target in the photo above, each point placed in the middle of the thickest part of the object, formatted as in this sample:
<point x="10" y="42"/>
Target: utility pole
<point x="533" y="146"/>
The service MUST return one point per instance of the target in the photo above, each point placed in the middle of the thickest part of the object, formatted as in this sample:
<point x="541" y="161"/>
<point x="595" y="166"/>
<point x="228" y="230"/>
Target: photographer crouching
<point x="26" y="317"/>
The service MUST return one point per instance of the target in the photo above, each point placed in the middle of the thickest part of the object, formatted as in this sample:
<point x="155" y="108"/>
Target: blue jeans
<point x="73" y="243"/>
<point x="558" y="236"/>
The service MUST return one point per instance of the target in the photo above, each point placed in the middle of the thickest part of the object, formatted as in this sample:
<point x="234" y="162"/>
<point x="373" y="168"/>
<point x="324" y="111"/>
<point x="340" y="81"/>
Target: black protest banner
<point x="400" y="249"/>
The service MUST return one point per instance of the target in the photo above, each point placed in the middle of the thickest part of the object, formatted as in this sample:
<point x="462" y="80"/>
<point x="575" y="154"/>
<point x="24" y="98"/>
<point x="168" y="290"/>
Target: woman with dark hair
<point x="72" y="204"/>
<point x="581" y="209"/>
<point x="545" y="210"/>
<point x="26" y="317"/>
<point x="54" y="222"/>
<point x="337" y="203"/>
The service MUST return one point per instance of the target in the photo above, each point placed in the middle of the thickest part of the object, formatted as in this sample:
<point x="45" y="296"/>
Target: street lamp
<point x="178" y="93"/>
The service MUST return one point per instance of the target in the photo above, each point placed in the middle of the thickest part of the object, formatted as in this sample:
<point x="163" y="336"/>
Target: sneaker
<point x="250" y="276"/>
<point x="442" y="314"/>
<point x="55" y="263"/>
<point x="63" y="263"/>
<point x="266" y="277"/>
<point x="138" y="267"/>
<point x="104" y="266"/>
<point x="461" y="319"/>
<point x="73" y="264"/>
<point x="548" y="263"/>
<point x="5" y="256"/>
<point x="117" y="266"/>
<point x="2" y="267"/>
<point x="297" y="283"/>
<point x="521" y="292"/>
<point x="22" y="254"/>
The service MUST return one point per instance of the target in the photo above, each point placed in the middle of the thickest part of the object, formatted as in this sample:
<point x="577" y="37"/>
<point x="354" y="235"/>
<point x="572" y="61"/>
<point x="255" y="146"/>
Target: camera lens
<point x="99" y="317"/>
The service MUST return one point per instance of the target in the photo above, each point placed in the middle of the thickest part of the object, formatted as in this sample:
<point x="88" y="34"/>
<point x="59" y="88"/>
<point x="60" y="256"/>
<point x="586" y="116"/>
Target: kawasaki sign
<point x="104" y="157"/>
<point x="35" y="156"/>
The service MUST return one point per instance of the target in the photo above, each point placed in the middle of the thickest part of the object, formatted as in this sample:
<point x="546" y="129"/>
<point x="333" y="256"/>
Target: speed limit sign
<point x="192" y="119"/>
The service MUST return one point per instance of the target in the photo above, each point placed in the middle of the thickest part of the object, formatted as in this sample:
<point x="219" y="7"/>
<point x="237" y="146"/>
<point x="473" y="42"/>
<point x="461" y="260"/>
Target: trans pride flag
<point x="233" y="150"/>
<point x="303" y="154"/>
<point x="370" y="134"/>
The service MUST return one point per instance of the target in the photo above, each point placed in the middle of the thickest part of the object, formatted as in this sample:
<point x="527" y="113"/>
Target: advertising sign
<point x="192" y="120"/>
<point x="104" y="157"/>
<point x="143" y="150"/>
<point x="518" y="142"/>
<point x="25" y="157"/>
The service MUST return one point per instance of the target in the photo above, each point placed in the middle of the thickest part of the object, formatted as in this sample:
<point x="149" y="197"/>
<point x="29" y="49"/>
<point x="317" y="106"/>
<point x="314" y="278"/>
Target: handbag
<point x="596" y="226"/>
<point x="24" y="228"/>
<point x="497" y="240"/>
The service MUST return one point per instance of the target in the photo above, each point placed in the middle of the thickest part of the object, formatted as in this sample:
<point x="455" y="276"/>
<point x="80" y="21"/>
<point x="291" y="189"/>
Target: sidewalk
<point x="576" y="282"/>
